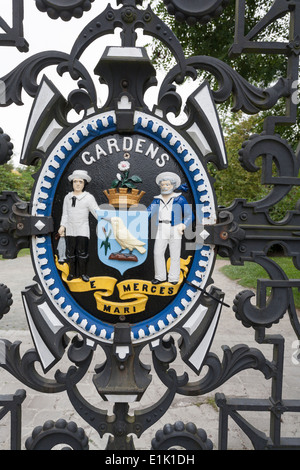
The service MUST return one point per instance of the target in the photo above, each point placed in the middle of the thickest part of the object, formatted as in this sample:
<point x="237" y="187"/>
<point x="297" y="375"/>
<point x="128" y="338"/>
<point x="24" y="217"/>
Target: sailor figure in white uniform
<point x="173" y="215"/>
<point x="75" y="224"/>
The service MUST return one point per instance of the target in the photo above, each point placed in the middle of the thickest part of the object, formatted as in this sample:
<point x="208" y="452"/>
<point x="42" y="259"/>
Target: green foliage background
<point x="17" y="179"/>
<point x="215" y="39"/>
<point x="235" y="181"/>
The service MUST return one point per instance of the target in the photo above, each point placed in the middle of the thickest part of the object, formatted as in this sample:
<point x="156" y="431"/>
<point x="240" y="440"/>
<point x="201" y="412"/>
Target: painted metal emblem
<point x="130" y="199"/>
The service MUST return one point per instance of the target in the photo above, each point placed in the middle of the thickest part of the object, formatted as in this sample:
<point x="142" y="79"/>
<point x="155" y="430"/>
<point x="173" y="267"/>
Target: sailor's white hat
<point x="81" y="175"/>
<point x="168" y="176"/>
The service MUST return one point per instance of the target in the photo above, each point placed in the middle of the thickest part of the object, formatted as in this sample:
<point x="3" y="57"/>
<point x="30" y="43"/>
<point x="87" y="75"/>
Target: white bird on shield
<point x="122" y="235"/>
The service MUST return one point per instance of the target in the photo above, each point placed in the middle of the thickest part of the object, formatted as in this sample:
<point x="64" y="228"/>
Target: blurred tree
<point x="215" y="39"/>
<point x="17" y="179"/>
<point x="235" y="182"/>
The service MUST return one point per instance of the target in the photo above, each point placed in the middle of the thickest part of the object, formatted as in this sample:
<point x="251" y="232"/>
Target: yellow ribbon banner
<point x="135" y="290"/>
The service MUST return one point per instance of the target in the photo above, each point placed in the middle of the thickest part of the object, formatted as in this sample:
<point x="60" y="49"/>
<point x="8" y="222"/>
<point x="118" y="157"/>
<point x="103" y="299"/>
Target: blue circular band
<point x="44" y="193"/>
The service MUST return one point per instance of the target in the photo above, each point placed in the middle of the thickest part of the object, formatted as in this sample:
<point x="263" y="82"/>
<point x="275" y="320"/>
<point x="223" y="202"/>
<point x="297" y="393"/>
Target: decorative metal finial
<point x="64" y="10"/>
<point x="188" y="11"/>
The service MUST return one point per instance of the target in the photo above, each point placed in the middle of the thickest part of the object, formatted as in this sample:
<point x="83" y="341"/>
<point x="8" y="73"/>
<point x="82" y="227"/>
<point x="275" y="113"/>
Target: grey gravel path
<point x="201" y="410"/>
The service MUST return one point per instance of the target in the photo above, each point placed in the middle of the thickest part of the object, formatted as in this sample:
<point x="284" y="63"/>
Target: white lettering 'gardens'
<point x="140" y="146"/>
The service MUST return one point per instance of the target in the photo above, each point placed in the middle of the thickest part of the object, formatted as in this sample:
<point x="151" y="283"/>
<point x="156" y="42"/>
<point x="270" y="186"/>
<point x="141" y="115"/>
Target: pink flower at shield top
<point x="123" y="180"/>
<point x="124" y="166"/>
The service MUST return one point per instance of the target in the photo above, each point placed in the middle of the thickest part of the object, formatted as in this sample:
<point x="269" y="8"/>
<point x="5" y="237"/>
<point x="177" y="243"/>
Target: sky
<point x="44" y="34"/>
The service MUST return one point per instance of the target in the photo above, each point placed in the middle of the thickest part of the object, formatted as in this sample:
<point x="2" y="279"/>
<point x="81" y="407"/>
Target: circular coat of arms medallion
<point x="129" y="212"/>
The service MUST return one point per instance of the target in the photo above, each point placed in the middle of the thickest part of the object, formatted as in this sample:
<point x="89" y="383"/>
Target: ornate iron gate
<point x="242" y="232"/>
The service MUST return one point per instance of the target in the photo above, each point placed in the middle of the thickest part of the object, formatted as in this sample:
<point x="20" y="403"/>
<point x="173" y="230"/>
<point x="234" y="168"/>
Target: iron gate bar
<point x="243" y="232"/>
<point x="13" y="404"/>
<point x="275" y="405"/>
<point x="229" y="407"/>
<point x="14" y="35"/>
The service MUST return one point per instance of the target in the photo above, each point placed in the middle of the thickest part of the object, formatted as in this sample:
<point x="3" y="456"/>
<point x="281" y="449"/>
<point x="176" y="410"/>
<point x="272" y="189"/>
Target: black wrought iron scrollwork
<point x="246" y="97"/>
<point x="244" y="231"/>
<point x="122" y="425"/>
<point x="264" y="314"/>
<point x="241" y="357"/>
<point x="23" y="368"/>
<point x="129" y="18"/>
<point x="275" y="150"/>
<point x="24" y="76"/>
